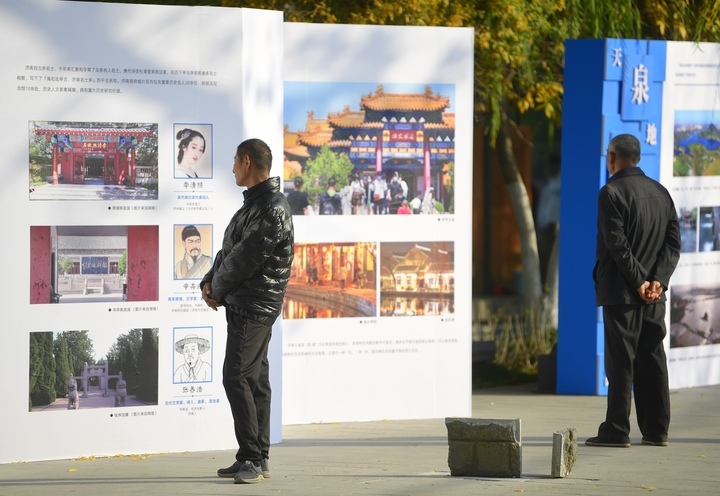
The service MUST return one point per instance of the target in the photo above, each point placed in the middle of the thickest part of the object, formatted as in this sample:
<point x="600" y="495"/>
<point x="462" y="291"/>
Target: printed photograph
<point x="193" y="151"/>
<point x="417" y="278"/>
<point x="93" y="264"/>
<point x="79" y="370"/>
<point x="332" y="280"/>
<point x="687" y="218"/>
<point x="193" y="250"/>
<point x="694" y="315"/>
<point x="192" y="359"/>
<point x="93" y="161"/>
<point x="369" y="148"/>
<point x="709" y="229"/>
<point x="697" y="143"/>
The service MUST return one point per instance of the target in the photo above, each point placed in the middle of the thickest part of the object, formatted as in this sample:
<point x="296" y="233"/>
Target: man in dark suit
<point x="638" y="248"/>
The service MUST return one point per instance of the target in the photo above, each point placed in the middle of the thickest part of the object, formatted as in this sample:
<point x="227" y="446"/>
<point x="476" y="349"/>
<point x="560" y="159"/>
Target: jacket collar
<point x="627" y="172"/>
<point x="270" y="184"/>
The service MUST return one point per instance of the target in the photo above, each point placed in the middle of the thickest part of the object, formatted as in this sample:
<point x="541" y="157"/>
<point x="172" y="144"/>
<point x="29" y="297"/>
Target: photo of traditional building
<point x="417" y="279"/>
<point x="87" y="264"/>
<point x="332" y="280"/>
<point x="394" y="133"/>
<point x="93" y="161"/>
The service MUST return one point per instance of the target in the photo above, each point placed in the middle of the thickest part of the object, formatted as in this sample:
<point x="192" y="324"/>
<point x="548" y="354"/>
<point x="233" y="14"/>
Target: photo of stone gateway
<point x="381" y="144"/>
<point x="88" y="369"/>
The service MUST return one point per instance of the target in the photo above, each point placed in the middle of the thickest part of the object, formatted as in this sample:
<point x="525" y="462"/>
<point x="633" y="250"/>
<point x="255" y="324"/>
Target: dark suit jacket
<point x="638" y="237"/>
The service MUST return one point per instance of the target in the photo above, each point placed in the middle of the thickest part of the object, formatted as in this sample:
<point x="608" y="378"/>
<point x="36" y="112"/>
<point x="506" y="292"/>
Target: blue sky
<point x="685" y="117"/>
<point x="301" y="97"/>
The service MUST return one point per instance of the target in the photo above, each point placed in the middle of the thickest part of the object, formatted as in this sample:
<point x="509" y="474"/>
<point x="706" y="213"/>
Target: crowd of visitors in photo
<point x="364" y="195"/>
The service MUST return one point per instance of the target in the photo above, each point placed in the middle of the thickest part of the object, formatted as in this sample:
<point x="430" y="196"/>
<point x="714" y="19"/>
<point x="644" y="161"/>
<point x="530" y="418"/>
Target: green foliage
<point x="325" y="165"/>
<point x="42" y="369"/>
<point x="65" y="265"/>
<point x="122" y="263"/>
<point x="62" y="366"/>
<point x="132" y="354"/>
<point x="148" y="367"/>
<point x="80" y="350"/>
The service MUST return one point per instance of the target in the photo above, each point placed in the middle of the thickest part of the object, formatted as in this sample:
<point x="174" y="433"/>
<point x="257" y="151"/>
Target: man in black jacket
<point x="248" y="278"/>
<point x="638" y="248"/>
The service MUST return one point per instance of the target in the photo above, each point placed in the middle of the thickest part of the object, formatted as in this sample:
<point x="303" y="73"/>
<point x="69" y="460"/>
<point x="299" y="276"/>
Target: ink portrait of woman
<point x="193" y="160"/>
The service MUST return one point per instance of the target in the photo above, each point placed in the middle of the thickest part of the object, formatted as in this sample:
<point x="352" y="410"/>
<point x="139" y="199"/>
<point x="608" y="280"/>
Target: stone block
<point x="564" y="452"/>
<point x="484" y="447"/>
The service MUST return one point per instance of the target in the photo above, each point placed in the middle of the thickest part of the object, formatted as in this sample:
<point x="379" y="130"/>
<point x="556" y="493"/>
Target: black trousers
<point x="635" y="361"/>
<point x="246" y="378"/>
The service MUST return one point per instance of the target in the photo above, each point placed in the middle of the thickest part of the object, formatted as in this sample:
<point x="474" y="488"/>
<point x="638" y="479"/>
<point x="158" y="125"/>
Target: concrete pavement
<point x="409" y="457"/>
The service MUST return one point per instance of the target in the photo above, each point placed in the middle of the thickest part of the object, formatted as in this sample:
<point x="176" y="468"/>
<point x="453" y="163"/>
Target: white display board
<point x="377" y="315"/>
<point x="96" y="100"/>
<point x="690" y="169"/>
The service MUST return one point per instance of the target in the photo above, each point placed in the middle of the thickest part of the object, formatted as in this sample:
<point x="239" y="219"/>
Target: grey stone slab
<point x="564" y="452"/>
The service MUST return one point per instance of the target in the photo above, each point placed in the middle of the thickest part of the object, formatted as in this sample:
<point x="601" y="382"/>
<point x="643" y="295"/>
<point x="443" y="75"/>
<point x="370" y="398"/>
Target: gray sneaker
<point x="265" y="468"/>
<point x="249" y="473"/>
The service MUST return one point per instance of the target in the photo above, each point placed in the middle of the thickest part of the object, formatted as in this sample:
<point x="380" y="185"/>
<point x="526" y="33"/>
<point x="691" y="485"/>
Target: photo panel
<point x="91" y="369"/>
<point x="93" y="160"/>
<point x="193" y="250"/>
<point x="694" y="315"/>
<point x="93" y="264"/>
<point x="369" y="148"/>
<point x="687" y="219"/>
<point x="192" y="151"/>
<point x="696" y="150"/>
<point x="332" y="280"/>
<point x="417" y="278"/>
<point x="709" y="230"/>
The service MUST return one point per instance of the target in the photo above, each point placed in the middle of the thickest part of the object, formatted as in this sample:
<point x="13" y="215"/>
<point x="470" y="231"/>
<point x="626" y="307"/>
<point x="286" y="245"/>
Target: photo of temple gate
<point x="377" y="148"/>
<point x="93" y="161"/>
<point x="417" y="279"/>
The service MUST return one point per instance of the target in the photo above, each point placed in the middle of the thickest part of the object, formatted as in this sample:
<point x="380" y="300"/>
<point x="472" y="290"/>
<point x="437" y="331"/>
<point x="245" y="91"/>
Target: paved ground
<point x="410" y="457"/>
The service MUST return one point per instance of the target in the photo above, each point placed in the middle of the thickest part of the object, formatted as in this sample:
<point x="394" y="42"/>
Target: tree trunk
<point x="532" y="279"/>
<point x="552" y="278"/>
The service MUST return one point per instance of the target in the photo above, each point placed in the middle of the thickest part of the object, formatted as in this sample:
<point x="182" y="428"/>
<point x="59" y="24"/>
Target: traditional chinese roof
<point x="95" y="131"/>
<point x="339" y="143"/>
<point x="317" y="132"/>
<point x="90" y="243"/>
<point x="441" y="267"/>
<point x="427" y="102"/>
<point x="346" y="118"/>
<point x="408" y="269"/>
<point x="448" y="122"/>
<point x="292" y="146"/>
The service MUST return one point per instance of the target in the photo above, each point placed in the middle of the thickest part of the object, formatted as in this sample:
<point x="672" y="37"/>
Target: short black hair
<point x="626" y="148"/>
<point x="298" y="181"/>
<point x="331" y="181"/>
<point x="258" y="151"/>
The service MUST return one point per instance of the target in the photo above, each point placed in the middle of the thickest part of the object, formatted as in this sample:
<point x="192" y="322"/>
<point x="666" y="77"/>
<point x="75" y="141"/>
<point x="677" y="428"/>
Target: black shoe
<point x="229" y="471"/>
<point x="606" y="443"/>
<point x="651" y="442"/>
<point x="265" y="468"/>
<point x="249" y="473"/>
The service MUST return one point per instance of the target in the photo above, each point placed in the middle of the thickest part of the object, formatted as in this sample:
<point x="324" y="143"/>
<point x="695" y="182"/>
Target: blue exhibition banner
<point x="667" y="94"/>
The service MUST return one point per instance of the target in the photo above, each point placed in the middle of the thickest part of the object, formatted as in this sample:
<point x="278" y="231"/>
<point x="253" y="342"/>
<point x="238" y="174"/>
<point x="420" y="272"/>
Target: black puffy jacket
<point x="252" y="269"/>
